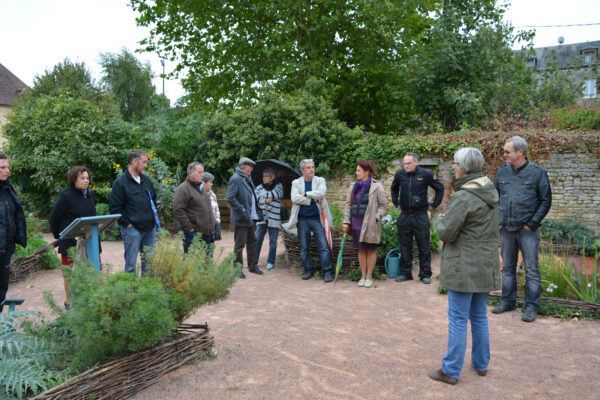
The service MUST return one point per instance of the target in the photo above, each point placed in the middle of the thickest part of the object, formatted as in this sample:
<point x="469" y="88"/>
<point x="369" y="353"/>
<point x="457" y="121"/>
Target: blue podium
<point x="90" y="228"/>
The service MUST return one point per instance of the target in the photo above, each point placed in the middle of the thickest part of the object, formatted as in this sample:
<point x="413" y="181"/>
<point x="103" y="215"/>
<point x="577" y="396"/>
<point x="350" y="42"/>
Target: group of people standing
<point x="480" y="214"/>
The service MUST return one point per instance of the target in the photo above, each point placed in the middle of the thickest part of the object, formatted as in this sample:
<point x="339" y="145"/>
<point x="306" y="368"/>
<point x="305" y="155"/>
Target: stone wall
<point x="575" y="180"/>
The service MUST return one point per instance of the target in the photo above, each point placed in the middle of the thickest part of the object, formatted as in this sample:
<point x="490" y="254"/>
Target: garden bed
<point x="22" y="268"/>
<point x="349" y="257"/>
<point x="590" y="309"/>
<point x="125" y="377"/>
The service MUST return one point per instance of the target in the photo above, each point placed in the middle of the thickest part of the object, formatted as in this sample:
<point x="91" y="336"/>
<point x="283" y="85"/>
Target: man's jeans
<point x="463" y="307"/>
<point x="414" y="225"/>
<point x="305" y="227"/>
<point x="261" y="231"/>
<point x="135" y="242"/>
<point x="188" y="238"/>
<point x="528" y="242"/>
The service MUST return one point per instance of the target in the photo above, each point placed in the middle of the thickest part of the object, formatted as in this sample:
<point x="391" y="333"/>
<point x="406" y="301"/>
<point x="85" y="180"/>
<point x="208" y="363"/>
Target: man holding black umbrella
<point x="244" y="214"/>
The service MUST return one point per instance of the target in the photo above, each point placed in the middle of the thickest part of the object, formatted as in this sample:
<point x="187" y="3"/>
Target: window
<point x="589" y="89"/>
<point x="531" y="61"/>
<point x="589" y="56"/>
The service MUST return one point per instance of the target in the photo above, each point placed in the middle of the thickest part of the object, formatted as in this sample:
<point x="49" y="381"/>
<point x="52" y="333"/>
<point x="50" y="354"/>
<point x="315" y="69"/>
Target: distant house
<point x="10" y="88"/>
<point x="578" y="60"/>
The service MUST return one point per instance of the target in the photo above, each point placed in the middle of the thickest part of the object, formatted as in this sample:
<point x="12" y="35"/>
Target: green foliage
<point x="115" y="314"/>
<point x="130" y="82"/>
<point x="442" y="289"/>
<point x="35" y="242"/>
<point x="48" y="135"/>
<point x="570" y="118"/>
<point x="195" y="276"/>
<point x="337" y="216"/>
<point x="232" y="55"/>
<point x="113" y="232"/>
<point x="70" y="80"/>
<point x="389" y="236"/>
<point x="568" y="232"/>
<point x="556" y="88"/>
<point x="165" y="182"/>
<point x="290" y="127"/>
<point x="25" y="360"/>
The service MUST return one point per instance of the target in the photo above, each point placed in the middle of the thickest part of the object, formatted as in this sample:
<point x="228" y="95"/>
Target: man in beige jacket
<point x="308" y="199"/>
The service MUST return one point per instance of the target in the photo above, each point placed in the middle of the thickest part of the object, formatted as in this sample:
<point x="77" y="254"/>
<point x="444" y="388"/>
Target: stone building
<point x="10" y="88"/>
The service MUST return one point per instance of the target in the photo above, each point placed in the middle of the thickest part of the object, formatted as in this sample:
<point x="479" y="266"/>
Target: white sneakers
<point x="365" y="283"/>
<point x="269" y="266"/>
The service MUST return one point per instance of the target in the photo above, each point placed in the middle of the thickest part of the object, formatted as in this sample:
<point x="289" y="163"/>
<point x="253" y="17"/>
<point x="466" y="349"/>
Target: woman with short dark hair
<point x="74" y="202"/>
<point x="366" y="204"/>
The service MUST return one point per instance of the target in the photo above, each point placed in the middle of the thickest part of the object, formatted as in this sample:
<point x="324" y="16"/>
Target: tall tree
<point x="232" y="52"/>
<point x="68" y="79"/>
<point x="467" y="73"/>
<point x="130" y="82"/>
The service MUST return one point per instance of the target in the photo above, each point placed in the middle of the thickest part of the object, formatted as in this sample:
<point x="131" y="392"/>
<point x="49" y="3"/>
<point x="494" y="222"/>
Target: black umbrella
<point x="284" y="174"/>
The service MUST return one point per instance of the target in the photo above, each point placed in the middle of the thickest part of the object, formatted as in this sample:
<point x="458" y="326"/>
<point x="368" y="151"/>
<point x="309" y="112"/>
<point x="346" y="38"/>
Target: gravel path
<point x="279" y="337"/>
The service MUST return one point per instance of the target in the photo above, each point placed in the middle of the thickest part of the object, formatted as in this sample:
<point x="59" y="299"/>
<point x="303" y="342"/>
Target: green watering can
<point x="392" y="263"/>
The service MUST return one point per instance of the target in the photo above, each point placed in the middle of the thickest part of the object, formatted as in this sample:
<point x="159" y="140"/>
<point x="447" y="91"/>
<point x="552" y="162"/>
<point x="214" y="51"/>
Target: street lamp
<point x="162" y="62"/>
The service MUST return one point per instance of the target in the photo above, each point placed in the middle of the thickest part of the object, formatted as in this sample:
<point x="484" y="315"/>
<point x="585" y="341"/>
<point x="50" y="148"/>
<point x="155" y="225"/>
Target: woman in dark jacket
<point x="74" y="202"/>
<point x="470" y="265"/>
<point x="12" y="226"/>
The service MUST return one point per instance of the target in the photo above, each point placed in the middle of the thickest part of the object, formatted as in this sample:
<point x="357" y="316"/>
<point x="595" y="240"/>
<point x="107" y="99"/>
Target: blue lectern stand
<point x="90" y="228"/>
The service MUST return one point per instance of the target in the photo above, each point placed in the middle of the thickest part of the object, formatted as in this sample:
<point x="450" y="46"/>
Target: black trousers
<point x="414" y="225"/>
<point x="245" y="236"/>
<point x="4" y="275"/>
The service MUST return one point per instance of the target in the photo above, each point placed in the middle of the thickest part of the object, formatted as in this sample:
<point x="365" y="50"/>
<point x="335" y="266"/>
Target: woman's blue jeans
<point x="463" y="307"/>
<point x="261" y="231"/>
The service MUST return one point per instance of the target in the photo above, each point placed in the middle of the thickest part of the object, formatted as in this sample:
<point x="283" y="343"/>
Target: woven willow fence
<point x="125" y="377"/>
<point x="21" y="268"/>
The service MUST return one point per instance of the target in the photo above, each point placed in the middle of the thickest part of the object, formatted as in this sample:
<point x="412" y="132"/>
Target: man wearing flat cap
<point x="244" y="214"/>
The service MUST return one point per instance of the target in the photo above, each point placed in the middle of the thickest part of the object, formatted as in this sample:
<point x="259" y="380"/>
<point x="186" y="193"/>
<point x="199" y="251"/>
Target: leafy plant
<point x="113" y="232"/>
<point x="577" y="118"/>
<point x="568" y="232"/>
<point x="195" y="276"/>
<point x="337" y="216"/>
<point x="25" y="360"/>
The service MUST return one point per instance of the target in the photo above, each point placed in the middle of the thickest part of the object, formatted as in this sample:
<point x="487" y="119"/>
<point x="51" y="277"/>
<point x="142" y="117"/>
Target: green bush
<point x="113" y="315"/>
<point x="48" y="135"/>
<point x="113" y="232"/>
<point x="195" y="276"/>
<point x="568" y="232"/>
<point x="579" y="118"/>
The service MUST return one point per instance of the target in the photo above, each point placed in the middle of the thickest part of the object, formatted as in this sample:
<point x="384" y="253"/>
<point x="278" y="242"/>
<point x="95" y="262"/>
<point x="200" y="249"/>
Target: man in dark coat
<point x="244" y="214"/>
<point x="525" y="199"/>
<point x="409" y="193"/>
<point x="131" y="196"/>
<point x="12" y="226"/>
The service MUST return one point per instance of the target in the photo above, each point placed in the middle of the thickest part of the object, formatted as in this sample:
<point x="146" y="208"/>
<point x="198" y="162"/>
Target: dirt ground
<point x="279" y="337"/>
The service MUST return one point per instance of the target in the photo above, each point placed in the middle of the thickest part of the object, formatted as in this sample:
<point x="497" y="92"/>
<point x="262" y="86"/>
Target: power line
<point x="555" y="26"/>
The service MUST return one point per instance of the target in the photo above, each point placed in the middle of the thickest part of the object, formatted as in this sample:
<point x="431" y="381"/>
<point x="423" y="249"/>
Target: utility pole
<point x="162" y="62"/>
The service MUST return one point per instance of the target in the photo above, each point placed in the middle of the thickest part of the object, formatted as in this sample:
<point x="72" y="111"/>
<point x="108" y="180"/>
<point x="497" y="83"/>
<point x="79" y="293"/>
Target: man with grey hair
<point x="244" y="214"/>
<point x="409" y="194"/>
<point x="133" y="196"/>
<point x="192" y="208"/>
<point x="525" y="199"/>
<point x="308" y="202"/>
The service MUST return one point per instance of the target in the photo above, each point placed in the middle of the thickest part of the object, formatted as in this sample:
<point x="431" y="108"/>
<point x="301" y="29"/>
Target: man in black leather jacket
<point x="409" y="193"/>
<point x="525" y="199"/>
<point x="12" y="226"/>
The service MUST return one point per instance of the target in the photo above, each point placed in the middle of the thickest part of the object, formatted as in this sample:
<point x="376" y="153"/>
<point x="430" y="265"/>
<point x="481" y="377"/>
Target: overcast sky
<point x="35" y="35"/>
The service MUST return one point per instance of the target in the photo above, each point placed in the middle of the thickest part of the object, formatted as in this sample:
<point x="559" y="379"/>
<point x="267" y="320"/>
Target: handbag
<point x="216" y="234"/>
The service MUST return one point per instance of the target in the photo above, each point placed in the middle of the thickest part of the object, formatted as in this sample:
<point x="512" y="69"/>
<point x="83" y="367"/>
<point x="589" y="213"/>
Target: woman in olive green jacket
<point x="366" y="203"/>
<point x="470" y="264"/>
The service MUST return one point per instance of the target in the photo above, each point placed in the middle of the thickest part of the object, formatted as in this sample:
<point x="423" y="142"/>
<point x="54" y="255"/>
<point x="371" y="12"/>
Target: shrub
<point x="113" y="232"/>
<point x="25" y="360"/>
<point x="195" y="275"/>
<point x="568" y="232"/>
<point x="115" y="314"/>
<point x="578" y="118"/>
